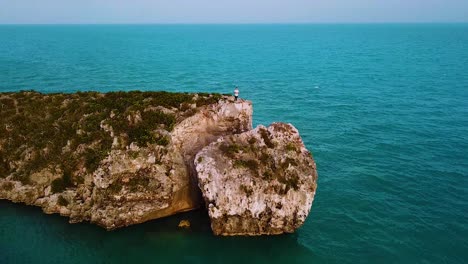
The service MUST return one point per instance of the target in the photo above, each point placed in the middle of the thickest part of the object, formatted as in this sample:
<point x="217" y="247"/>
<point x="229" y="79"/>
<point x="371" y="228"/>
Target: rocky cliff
<point x="114" y="159"/>
<point x="117" y="159"/>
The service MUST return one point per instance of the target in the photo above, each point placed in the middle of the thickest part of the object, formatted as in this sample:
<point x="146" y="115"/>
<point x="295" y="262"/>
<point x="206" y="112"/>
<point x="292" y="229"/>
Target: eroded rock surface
<point x="258" y="182"/>
<point x="114" y="159"/>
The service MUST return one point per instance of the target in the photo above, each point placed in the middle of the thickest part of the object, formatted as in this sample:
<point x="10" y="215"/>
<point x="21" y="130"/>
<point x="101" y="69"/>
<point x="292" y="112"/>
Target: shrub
<point x="93" y="158"/>
<point x="250" y="164"/>
<point x="115" y="187"/>
<point x="152" y="118"/>
<point x="167" y="99"/>
<point x="206" y="99"/>
<point x="67" y="178"/>
<point x="247" y="190"/>
<point x="267" y="175"/>
<point x="289" y="161"/>
<point x="163" y="141"/>
<point x="141" y="136"/>
<point x="57" y="185"/>
<point x="252" y="140"/>
<point x="79" y="179"/>
<point x="137" y="182"/>
<point x="62" y="201"/>
<point x="185" y="106"/>
<point x="60" y="184"/>
<point x="93" y="122"/>
<point x="142" y="133"/>
<point x="4" y="168"/>
<point x="23" y="177"/>
<point x="229" y="149"/>
<point x="291" y="147"/>
<point x="265" y="134"/>
<point x="264" y="158"/>
<point x="6" y="103"/>
<point x="134" y="154"/>
<point x="291" y="181"/>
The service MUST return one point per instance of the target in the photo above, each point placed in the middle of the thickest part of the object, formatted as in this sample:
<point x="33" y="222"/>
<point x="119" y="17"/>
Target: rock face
<point x="258" y="182"/>
<point x="113" y="159"/>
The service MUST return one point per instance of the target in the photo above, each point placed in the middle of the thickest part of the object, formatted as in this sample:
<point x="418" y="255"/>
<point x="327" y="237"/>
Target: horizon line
<point x="244" y="23"/>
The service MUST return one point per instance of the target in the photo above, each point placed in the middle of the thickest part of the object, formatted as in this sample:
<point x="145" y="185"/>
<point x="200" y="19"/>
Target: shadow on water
<point x="25" y="233"/>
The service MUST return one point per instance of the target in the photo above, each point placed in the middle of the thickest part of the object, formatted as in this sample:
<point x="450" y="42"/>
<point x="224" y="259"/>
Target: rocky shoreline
<point x="118" y="159"/>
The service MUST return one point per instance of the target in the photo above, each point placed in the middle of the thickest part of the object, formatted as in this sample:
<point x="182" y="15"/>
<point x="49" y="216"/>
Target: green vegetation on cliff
<point x="259" y="160"/>
<point x="66" y="132"/>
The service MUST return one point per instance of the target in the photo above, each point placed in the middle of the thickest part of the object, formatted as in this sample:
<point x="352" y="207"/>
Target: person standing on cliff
<point x="236" y="93"/>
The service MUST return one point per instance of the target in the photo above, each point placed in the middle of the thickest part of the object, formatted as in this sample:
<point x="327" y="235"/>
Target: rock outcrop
<point x="122" y="158"/>
<point x="113" y="159"/>
<point x="258" y="182"/>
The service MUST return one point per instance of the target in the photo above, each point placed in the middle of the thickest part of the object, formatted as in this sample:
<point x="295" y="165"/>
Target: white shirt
<point x="236" y="92"/>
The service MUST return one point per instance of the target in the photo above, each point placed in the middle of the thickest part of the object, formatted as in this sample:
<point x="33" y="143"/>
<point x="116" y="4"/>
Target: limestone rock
<point x="258" y="182"/>
<point x="184" y="224"/>
<point x="119" y="159"/>
<point x="102" y="158"/>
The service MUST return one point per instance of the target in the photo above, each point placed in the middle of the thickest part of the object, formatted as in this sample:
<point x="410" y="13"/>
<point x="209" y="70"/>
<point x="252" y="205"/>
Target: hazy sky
<point x="231" y="11"/>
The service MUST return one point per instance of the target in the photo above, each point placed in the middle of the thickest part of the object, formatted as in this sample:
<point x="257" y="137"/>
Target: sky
<point x="230" y="11"/>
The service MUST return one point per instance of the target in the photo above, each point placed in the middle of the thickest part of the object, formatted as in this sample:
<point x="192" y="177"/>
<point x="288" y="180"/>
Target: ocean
<point x="383" y="108"/>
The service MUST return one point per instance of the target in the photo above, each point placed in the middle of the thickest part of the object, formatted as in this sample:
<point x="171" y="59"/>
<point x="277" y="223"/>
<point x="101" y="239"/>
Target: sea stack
<point x="260" y="182"/>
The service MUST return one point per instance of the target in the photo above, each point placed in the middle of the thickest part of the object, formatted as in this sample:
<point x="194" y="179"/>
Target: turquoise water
<point x="384" y="108"/>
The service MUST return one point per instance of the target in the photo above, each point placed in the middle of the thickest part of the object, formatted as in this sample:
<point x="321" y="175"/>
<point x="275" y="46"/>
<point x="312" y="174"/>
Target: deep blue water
<point x="384" y="109"/>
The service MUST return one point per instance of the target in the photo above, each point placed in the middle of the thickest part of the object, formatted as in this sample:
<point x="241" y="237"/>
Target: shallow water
<point x="384" y="109"/>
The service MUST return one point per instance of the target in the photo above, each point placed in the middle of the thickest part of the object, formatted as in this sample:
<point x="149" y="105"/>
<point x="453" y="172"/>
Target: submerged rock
<point x="184" y="224"/>
<point x="258" y="182"/>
